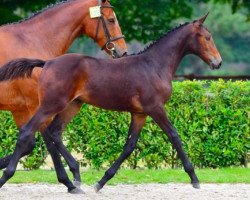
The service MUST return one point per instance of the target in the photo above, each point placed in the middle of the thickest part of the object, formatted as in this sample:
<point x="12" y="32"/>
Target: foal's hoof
<point x="1" y="184"/>
<point x="196" y="185"/>
<point x="76" y="191"/>
<point x="97" y="187"/>
<point x="77" y="184"/>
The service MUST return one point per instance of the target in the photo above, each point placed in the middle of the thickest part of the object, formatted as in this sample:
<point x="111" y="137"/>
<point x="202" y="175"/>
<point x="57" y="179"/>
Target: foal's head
<point x="105" y="30"/>
<point x="202" y="44"/>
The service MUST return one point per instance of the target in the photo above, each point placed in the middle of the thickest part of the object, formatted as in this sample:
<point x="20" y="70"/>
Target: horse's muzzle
<point x="118" y="54"/>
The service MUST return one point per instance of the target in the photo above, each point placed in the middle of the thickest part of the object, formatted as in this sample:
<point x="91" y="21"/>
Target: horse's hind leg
<point x="160" y="117"/>
<point x="137" y="122"/>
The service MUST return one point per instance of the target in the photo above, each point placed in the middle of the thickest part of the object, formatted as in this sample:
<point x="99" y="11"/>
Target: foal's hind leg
<point x="5" y="161"/>
<point x="20" y="118"/>
<point x="137" y="122"/>
<point x="160" y="117"/>
<point x="60" y="171"/>
<point x="56" y="129"/>
<point x="55" y="137"/>
<point x="24" y="141"/>
<point x="26" y="135"/>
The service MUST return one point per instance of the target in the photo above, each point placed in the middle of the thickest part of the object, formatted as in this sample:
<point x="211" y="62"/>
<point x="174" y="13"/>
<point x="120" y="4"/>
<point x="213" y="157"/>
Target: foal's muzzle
<point x="215" y="63"/>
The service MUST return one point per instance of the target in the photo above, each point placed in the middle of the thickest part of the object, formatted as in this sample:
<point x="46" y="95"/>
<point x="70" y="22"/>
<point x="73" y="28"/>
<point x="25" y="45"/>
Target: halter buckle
<point x="110" y="46"/>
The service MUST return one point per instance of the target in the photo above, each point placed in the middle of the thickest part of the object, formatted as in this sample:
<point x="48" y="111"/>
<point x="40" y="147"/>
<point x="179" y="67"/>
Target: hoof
<point x="76" y="191"/>
<point x="77" y="184"/>
<point x="1" y="184"/>
<point x="196" y="185"/>
<point x="97" y="187"/>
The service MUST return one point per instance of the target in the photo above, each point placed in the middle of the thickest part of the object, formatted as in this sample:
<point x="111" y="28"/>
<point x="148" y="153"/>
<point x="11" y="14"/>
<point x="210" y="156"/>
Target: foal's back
<point x="124" y="84"/>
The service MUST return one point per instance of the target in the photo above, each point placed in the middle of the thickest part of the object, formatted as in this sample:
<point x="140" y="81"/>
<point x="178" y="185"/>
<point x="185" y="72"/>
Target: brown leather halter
<point x="109" y="45"/>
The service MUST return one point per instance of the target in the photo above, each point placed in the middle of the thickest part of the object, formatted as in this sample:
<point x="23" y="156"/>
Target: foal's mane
<point x="168" y="33"/>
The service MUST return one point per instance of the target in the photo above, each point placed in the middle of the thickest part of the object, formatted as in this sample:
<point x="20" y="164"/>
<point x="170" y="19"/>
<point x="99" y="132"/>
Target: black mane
<point x="35" y="14"/>
<point x="165" y="35"/>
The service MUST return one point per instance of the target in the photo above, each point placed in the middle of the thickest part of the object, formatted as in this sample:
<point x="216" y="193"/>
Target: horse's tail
<point x="19" y="68"/>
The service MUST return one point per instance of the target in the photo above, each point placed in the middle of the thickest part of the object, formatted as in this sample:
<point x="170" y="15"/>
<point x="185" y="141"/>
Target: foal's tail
<point x="19" y="68"/>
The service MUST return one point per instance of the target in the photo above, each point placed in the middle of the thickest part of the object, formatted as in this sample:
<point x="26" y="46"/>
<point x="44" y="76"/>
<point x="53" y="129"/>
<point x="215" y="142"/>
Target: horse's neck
<point x="54" y="30"/>
<point x="169" y="51"/>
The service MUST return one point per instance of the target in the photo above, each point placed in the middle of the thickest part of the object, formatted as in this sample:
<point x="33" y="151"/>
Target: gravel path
<point x="128" y="192"/>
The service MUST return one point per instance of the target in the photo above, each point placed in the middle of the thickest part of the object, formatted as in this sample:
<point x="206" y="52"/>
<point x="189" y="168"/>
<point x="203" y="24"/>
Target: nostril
<point x="220" y="64"/>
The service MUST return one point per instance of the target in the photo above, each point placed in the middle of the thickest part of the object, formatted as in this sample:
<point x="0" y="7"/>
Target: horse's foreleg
<point x="160" y="117"/>
<point x="137" y="122"/>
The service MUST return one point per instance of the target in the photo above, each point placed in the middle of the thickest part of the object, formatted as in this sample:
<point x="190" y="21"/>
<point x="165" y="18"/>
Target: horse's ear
<point x="103" y="1"/>
<point x="202" y="20"/>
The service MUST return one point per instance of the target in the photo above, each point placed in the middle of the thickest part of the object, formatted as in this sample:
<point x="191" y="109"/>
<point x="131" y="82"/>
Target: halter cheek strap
<point x="109" y="45"/>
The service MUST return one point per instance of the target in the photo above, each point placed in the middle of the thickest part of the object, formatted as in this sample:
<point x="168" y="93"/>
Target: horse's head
<point x="203" y="44"/>
<point x="107" y="32"/>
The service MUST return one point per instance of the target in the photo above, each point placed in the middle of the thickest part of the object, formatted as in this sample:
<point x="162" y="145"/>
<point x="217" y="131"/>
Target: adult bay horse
<point x="142" y="86"/>
<point x="46" y="35"/>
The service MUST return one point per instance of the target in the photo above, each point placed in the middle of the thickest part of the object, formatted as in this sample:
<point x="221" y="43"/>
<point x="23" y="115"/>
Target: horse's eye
<point x="208" y="38"/>
<point x="111" y="20"/>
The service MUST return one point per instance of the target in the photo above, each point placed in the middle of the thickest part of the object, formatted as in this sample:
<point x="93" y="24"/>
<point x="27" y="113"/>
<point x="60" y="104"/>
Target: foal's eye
<point x="111" y="20"/>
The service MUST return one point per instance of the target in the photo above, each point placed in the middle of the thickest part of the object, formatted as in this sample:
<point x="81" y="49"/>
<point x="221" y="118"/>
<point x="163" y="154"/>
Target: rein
<point x="109" y="45"/>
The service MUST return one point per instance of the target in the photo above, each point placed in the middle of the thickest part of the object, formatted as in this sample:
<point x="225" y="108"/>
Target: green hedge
<point x="212" y="119"/>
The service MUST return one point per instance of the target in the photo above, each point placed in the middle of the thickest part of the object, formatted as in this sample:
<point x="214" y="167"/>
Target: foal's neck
<point x="54" y="30"/>
<point x="169" y="50"/>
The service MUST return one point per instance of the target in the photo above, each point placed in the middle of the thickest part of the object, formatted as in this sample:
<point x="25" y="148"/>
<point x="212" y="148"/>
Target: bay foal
<point x="47" y="35"/>
<point x="139" y="84"/>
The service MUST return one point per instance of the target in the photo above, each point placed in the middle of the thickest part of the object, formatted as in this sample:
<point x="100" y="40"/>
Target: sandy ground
<point x="127" y="192"/>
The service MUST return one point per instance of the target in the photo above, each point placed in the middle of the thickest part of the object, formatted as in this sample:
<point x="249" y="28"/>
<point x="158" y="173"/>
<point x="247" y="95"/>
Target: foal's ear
<point x="103" y="1"/>
<point x="202" y="20"/>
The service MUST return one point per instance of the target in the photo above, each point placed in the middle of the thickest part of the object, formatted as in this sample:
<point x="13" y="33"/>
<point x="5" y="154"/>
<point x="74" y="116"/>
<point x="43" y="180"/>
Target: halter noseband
<point x="109" y="45"/>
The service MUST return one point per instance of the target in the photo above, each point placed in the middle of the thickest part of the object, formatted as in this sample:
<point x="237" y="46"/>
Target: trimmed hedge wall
<point x="212" y="119"/>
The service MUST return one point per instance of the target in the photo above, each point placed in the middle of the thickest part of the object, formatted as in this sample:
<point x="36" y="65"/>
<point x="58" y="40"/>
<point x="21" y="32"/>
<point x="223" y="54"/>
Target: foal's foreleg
<point x="160" y="117"/>
<point x="137" y="122"/>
